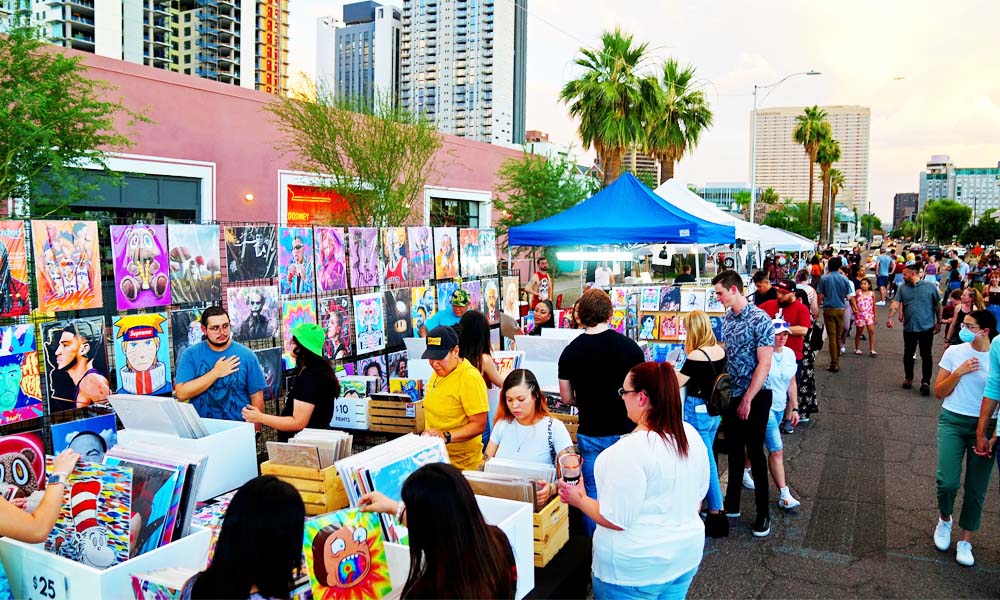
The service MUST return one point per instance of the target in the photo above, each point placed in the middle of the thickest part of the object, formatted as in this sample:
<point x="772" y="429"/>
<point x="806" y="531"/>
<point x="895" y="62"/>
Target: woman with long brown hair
<point x="649" y="538"/>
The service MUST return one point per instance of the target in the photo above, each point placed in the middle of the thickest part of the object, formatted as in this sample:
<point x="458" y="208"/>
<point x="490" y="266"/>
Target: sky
<point x="927" y="70"/>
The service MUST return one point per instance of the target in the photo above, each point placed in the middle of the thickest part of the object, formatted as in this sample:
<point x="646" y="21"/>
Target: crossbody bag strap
<point x="715" y="374"/>
<point x="552" y="445"/>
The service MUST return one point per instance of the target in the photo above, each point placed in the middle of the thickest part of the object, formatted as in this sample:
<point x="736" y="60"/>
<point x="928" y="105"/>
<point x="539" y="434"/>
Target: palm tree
<point x="681" y="115"/>
<point x="827" y="154"/>
<point x="810" y="129"/>
<point x="611" y="98"/>
<point x="769" y="196"/>
<point x="836" y="184"/>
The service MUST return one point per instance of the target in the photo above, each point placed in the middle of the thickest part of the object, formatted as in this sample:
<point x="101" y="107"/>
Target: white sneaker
<point x="843" y="350"/>
<point x="747" y="479"/>
<point x="942" y="536"/>
<point x="880" y="303"/>
<point x="788" y="502"/>
<point x="963" y="554"/>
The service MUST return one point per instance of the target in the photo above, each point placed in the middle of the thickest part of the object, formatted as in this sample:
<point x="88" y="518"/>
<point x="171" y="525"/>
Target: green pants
<point x="956" y="437"/>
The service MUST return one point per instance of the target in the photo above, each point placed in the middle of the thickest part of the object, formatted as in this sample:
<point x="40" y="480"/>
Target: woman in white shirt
<point x="961" y="383"/>
<point x="650" y="538"/>
<point x="523" y="429"/>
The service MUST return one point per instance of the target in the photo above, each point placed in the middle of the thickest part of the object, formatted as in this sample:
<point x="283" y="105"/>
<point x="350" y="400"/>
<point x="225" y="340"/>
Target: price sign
<point x="411" y="410"/>
<point x="350" y="413"/>
<point x="41" y="582"/>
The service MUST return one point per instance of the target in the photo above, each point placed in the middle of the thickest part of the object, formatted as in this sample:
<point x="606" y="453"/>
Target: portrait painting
<point x="15" y="294"/>
<point x="649" y="299"/>
<point x="491" y="300"/>
<point x="185" y="330"/>
<point x="195" y="271"/>
<point x="363" y="244"/>
<point x="374" y="366"/>
<point x="469" y="251"/>
<point x="331" y="262"/>
<point x="295" y="261"/>
<point x="90" y="437"/>
<point x="670" y="299"/>
<point x="335" y="318"/>
<point x="67" y="265"/>
<point x="648" y="327"/>
<point x="253" y="312"/>
<point x="398" y="364"/>
<point x="251" y="253"/>
<point x="394" y="256"/>
<point x="20" y="378"/>
<point x="270" y="363"/>
<point x="420" y="248"/>
<point x="76" y="362"/>
<point x="422" y="306"/>
<point x="511" y="297"/>
<point x="142" y="354"/>
<point x="445" y="252"/>
<point x="142" y="271"/>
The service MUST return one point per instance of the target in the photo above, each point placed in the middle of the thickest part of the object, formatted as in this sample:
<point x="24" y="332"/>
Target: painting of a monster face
<point x="346" y="557"/>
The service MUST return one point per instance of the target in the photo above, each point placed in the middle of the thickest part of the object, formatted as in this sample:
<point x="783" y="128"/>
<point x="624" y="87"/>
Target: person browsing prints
<point x="218" y="376"/>
<point x="455" y="403"/>
<point x="918" y="304"/>
<point x="450" y="314"/>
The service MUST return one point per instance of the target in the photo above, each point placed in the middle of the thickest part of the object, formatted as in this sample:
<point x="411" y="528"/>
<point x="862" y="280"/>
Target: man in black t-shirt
<point x="591" y="369"/>
<point x="765" y="291"/>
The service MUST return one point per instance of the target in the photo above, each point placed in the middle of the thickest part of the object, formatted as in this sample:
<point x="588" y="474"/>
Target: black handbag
<point x="816" y="338"/>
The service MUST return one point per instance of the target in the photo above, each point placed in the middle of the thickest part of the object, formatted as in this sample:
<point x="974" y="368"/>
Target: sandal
<point x="858" y="352"/>
<point x="873" y="353"/>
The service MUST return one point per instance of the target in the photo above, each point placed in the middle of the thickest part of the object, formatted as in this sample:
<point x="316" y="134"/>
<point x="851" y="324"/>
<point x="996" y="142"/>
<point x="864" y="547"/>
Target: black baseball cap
<point x="440" y="341"/>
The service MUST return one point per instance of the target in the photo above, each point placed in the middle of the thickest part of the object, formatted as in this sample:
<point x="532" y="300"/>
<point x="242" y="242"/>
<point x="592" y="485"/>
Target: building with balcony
<point x="978" y="188"/>
<point x="358" y="55"/>
<point x="463" y="65"/>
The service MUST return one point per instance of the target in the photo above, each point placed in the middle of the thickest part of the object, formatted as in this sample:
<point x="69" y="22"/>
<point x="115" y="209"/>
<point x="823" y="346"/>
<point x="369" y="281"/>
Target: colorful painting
<point x="632" y="314"/>
<point x="475" y="289"/>
<point x="692" y="299"/>
<point x="445" y="252"/>
<point x="185" y="330"/>
<point x="648" y="327"/>
<point x="712" y="303"/>
<point x="293" y="314"/>
<point x="422" y="307"/>
<point x="414" y="388"/>
<point x="491" y="300"/>
<point x="398" y="364"/>
<point x="344" y="370"/>
<point x="363" y="243"/>
<point x="295" y="261"/>
<point x="251" y="253"/>
<point x="672" y="353"/>
<point x="253" y="312"/>
<point x="369" y="322"/>
<point x="619" y="296"/>
<point x="568" y="321"/>
<point x="90" y="438"/>
<point x="20" y="379"/>
<point x="345" y="556"/>
<point x="469" y="252"/>
<point x="649" y="299"/>
<point x="487" y="252"/>
<point x="93" y="526"/>
<point x="153" y="507"/>
<point x="394" y="259"/>
<point x="397" y="316"/>
<point x="142" y="354"/>
<point x="270" y="363"/>
<point x="15" y="297"/>
<point x="670" y="299"/>
<point x="142" y="273"/>
<point x="669" y="326"/>
<point x="76" y="361"/>
<point x="22" y="459"/>
<point x="335" y="318"/>
<point x="511" y="297"/>
<point x="67" y="265"/>
<point x="420" y="248"/>
<point x="374" y="366"/>
<point x="195" y="274"/>
<point x="444" y="292"/>
<point x="618" y="319"/>
<point x="331" y="263"/>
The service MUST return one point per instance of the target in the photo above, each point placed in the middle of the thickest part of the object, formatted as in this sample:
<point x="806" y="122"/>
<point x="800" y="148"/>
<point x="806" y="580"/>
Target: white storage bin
<point x="77" y="581"/>
<point x="230" y="446"/>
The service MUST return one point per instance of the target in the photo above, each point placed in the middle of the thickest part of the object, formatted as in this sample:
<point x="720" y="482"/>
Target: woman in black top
<point x="706" y="359"/>
<point x="544" y="317"/>
<point x="310" y="401"/>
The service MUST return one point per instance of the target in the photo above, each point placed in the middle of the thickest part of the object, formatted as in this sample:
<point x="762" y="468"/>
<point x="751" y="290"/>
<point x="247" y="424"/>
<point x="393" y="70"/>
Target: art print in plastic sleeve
<point x="195" y="274"/>
<point x="251" y="253"/>
<point x="491" y="300"/>
<point x="420" y="247"/>
<point x="670" y="299"/>
<point x="293" y="314"/>
<point x="20" y="379"/>
<point x="142" y="271"/>
<point x="469" y="252"/>
<point x="423" y="306"/>
<point x="331" y="261"/>
<point x="511" y="297"/>
<point x="712" y="303"/>
<point x="335" y="318"/>
<point x="67" y="265"/>
<point x="142" y="354"/>
<point x="618" y="319"/>
<point x="345" y="556"/>
<point x="394" y="257"/>
<point x="15" y="296"/>
<point x="398" y="364"/>
<point x="445" y="252"/>
<point x="76" y="361"/>
<point x="253" y="312"/>
<point x="296" y="274"/>
<point x="374" y="366"/>
<point x="670" y="326"/>
<point x="398" y="320"/>
<point x="487" y="252"/>
<point x="369" y="322"/>
<point x="22" y="456"/>
<point x="649" y="299"/>
<point x="619" y="296"/>
<point x="364" y="256"/>
<point x="692" y="299"/>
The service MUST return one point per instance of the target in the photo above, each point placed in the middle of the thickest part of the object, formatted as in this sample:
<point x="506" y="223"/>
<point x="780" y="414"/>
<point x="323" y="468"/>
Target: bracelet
<point x="400" y="509"/>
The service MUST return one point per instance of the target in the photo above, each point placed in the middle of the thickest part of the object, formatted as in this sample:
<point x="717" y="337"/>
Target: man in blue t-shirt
<point x="217" y="375"/>
<point x="883" y="269"/>
<point x="448" y="316"/>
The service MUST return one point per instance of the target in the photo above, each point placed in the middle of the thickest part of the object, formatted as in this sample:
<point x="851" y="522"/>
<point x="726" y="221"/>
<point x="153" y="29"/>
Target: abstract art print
<point x="270" y="363"/>
<point x="20" y="379"/>
<point x="142" y="354"/>
<point x="253" y="312"/>
<point x="185" y="330"/>
<point x="331" y="262"/>
<point x="369" y="322"/>
<point x="511" y="297"/>
<point x="142" y="271"/>
<point x="397" y="316"/>
<point x="90" y="438"/>
<point x="420" y="247"/>
<point x="363" y="244"/>
<point x="491" y="300"/>
<point x="475" y="289"/>
<point x="335" y="318"/>
<point x="293" y="314"/>
<point x="22" y="456"/>
<point x="295" y="261"/>
<point x="15" y="298"/>
<point x="345" y="556"/>
<point x="67" y="265"/>
<point x="444" y="291"/>
<point x="469" y="252"/>
<point x="251" y="253"/>
<point x="445" y="252"/>
<point x="422" y="307"/>
<point x="76" y="362"/>
<point x="195" y="274"/>
<point x="487" y="252"/>
<point x="394" y="258"/>
<point x="670" y="299"/>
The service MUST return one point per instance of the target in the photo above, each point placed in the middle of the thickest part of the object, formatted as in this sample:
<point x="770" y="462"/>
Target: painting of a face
<point x="346" y="557"/>
<point x="70" y="348"/>
<point x="10" y="385"/>
<point x="141" y="354"/>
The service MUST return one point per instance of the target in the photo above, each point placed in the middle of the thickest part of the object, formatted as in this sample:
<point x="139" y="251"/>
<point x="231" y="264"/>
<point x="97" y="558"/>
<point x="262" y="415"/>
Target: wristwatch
<point x="447" y="437"/>
<point x="59" y="477"/>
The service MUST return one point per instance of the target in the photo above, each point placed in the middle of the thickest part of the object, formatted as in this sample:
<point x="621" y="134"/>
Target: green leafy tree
<point x="907" y="230"/>
<point x="54" y="121"/>
<point x="837" y="182"/>
<point x="985" y="232"/>
<point x="679" y="118"/>
<point x="945" y="219"/>
<point x="987" y="215"/>
<point x="826" y="156"/>
<point x="811" y="127"/>
<point x="375" y="153"/>
<point x="794" y="217"/>
<point x="769" y="196"/>
<point x="612" y="99"/>
<point x="869" y="223"/>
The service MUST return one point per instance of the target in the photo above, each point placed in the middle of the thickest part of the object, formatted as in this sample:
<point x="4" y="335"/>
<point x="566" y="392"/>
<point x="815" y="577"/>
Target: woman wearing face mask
<point x="969" y="301"/>
<point x="961" y="383"/>
<point x="543" y="317"/>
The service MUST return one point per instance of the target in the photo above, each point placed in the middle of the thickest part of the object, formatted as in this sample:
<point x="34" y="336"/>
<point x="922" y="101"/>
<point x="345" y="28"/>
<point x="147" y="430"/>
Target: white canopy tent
<point x="784" y="241"/>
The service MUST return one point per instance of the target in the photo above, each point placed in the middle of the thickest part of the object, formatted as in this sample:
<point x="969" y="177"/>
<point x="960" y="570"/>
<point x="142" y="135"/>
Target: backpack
<point x="722" y="390"/>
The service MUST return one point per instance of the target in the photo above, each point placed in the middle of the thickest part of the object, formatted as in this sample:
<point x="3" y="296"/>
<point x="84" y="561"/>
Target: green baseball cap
<point x="310" y="336"/>
<point x="460" y="297"/>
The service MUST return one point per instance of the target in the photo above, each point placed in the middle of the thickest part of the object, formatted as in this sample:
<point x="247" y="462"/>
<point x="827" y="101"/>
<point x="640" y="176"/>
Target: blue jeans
<point x="772" y="436"/>
<point x="671" y="590"/>
<point x="590" y="446"/>
<point x="707" y="426"/>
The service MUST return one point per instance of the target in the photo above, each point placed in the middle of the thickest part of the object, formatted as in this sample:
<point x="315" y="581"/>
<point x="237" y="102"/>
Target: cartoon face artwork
<point x="76" y="362"/>
<point x="22" y="464"/>
<point x="142" y="351"/>
<point x="93" y="526"/>
<point x="140" y="265"/>
<point x="421" y="253"/>
<point x="446" y="252"/>
<point x="345" y="556"/>
<point x="20" y="379"/>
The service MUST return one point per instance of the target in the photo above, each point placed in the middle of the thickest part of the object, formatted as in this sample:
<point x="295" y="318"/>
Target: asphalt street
<point x="864" y="471"/>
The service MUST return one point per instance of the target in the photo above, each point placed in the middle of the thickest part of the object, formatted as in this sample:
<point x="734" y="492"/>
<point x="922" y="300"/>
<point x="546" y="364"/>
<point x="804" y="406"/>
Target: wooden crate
<point x="390" y="416"/>
<point x="551" y="531"/>
<point x="572" y="423"/>
<point x="322" y="490"/>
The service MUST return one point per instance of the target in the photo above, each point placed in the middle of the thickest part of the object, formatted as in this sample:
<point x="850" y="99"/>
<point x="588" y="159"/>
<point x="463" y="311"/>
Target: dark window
<point x="446" y="212"/>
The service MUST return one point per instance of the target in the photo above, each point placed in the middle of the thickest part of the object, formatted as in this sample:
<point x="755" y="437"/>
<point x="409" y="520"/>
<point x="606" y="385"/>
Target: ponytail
<point x="665" y="414"/>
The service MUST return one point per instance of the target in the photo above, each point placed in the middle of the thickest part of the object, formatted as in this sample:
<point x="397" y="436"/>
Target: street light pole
<point x="753" y="138"/>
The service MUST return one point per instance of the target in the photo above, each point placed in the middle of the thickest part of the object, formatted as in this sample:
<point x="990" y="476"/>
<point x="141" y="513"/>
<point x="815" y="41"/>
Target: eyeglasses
<point x="622" y="391"/>
<point x="224" y="327"/>
<point x="970" y="326"/>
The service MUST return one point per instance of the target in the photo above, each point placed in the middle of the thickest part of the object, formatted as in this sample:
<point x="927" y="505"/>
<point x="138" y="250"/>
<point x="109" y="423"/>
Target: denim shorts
<point x="772" y="436"/>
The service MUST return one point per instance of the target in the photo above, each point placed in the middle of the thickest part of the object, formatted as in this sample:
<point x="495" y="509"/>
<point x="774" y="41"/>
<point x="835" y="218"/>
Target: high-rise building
<point x="978" y="188"/>
<point x="723" y="194"/>
<point x="904" y="207"/>
<point x="463" y="66"/>
<point x="240" y="42"/>
<point x="784" y="165"/>
<point x="358" y="55"/>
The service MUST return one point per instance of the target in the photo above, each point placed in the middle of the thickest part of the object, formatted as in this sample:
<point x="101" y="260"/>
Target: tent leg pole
<point x="697" y="265"/>
<point x="583" y="269"/>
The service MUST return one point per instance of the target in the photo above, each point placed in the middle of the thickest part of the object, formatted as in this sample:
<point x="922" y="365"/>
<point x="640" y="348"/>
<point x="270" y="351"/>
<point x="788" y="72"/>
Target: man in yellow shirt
<point x="455" y="403"/>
